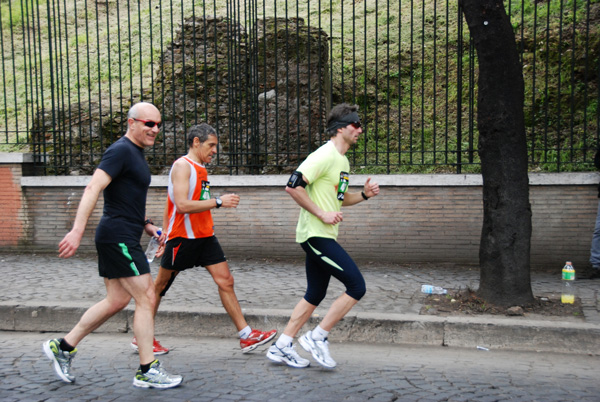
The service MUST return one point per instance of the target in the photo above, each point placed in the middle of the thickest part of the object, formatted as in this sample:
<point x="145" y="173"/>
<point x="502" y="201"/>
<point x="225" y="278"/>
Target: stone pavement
<point x="214" y="369"/>
<point x="44" y="293"/>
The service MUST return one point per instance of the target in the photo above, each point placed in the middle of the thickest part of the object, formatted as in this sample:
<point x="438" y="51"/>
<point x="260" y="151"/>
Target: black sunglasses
<point x="148" y="123"/>
<point x="356" y="125"/>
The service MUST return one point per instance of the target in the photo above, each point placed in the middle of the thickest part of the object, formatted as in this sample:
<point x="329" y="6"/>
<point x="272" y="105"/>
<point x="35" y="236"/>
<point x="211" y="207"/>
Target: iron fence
<point x="265" y="73"/>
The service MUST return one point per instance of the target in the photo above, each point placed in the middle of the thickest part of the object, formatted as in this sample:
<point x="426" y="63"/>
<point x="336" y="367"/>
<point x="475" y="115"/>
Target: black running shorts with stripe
<point x="121" y="260"/>
<point x="181" y="254"/>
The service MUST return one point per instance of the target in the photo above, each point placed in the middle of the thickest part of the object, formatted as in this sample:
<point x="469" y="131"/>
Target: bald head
<point x="143" y="124"/>
<point x="140" y="109"/>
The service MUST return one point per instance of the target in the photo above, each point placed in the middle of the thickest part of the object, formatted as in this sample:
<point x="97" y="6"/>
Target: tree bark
<point x="504" y="251"/>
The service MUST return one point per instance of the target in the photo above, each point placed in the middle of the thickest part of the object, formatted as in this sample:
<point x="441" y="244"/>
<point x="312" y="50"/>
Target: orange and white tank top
<point x="189" y="226"/>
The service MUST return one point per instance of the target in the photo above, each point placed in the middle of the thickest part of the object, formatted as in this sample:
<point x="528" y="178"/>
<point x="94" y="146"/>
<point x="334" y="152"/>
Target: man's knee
<point x="357" y="292"/>
<point x="221" y="275"/>
<point x="118" y="303"/>
<point x="315" y="297"/>
<point x="224" y="282"/>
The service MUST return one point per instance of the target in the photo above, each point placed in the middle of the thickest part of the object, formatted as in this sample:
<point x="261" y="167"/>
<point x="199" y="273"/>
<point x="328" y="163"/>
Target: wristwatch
<point x="219" y="202"/>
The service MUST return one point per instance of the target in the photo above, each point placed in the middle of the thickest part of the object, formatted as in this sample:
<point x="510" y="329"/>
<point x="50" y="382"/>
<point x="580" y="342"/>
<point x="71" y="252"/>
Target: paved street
<point x="215" y="370"/>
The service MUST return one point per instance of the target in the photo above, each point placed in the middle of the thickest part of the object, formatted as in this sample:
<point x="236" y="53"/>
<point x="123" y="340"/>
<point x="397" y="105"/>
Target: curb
<point x="408" y="329"/>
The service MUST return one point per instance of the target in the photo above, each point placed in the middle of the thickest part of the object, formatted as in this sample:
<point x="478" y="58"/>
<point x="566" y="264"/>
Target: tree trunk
<point x="506" y="234"/>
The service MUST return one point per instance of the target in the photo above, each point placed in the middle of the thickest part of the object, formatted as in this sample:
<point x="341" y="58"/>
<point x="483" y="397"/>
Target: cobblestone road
<point x="215" y="370"/>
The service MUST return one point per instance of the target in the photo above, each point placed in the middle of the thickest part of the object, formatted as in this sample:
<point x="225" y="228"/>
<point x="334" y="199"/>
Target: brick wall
<point x="13" y="211"/>
<point x="416" y="218"/>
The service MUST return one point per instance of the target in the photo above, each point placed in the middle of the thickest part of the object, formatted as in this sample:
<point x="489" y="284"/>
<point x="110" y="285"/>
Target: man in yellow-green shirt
<point x="320" y="187"/>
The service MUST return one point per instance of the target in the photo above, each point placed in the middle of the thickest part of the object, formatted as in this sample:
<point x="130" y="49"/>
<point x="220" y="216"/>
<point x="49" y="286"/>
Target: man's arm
<point x="70" y="243"/>
<point x="301" y="197"/>
<point x="180" y="177"/>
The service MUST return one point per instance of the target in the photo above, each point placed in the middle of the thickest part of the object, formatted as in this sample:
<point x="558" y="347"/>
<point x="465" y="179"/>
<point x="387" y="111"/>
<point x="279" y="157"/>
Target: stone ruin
<point x="267" y="98"/>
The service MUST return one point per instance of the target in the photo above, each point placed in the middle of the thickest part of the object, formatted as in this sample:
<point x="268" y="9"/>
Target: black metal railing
<point x="266" y="73"/>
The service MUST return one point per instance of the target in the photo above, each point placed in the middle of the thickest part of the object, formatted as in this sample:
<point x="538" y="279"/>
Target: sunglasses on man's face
<point x="148" y="123"/>
<point x="356" y="125"/>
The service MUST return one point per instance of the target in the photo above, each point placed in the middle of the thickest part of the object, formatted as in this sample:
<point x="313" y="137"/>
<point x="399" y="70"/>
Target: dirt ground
<point x="466" y="302"/>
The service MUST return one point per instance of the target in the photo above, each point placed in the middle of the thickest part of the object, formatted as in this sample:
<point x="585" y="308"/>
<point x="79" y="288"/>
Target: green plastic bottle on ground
<point x="568" y="279"/>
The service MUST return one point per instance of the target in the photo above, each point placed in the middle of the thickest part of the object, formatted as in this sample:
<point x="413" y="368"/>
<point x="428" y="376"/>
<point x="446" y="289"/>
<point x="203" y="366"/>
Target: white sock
<point x="319" y="334"/>
<point x="245" y="333"/>
<point x="283" y="341"/>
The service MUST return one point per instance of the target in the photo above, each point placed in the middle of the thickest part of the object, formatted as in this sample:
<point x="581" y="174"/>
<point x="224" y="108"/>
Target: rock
<point x="515" y="311"/>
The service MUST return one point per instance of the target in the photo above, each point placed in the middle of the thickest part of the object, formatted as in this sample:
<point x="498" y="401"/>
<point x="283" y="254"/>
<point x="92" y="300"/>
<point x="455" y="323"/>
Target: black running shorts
<point x="181" y="254"/>
<point x="120" y="260"/>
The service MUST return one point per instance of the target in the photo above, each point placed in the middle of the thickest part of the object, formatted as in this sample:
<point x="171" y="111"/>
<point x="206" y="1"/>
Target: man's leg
<point x="162" y="283"/>
<point x="595" y="250"/>
<point x="141" y="288"/>
<point x="224" y="280"/>
<point x="250" y="338"/>
<point x="338" y="310"/>
<point x="340" y="265"/>
<point x="593" y="272"/>
<point x="150" y="374"/>
<point x="164" y="279"/>
<point x="283" y="351"/>
<point x="315" y="341"/>
<point x="61" y="353"/>
<point x="299" y="317"/>
<point x="117" y="298"/>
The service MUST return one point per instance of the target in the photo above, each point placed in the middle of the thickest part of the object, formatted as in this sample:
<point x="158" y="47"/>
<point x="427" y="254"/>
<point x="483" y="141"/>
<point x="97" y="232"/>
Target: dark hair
<point x="337" y="114"/>
<point x="201" y="131"/>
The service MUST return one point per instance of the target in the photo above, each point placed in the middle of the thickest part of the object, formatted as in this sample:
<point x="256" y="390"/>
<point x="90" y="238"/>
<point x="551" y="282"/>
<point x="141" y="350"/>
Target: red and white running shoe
<point x="158" y="348"/>
<point x="255" y="339"/>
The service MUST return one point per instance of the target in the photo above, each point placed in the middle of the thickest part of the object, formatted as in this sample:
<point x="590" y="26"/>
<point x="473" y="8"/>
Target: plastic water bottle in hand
<point x="433" y="290"/>
<point x="153" y="247"/>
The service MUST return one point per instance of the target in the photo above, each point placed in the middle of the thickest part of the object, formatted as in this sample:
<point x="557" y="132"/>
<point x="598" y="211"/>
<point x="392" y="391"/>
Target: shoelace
<point x="292" y="352"/>
<point x="65" y="358"/>
<point x="159" y="374"/>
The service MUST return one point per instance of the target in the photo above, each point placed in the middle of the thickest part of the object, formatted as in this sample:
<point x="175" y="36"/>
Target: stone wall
<point x="417" y="218"/>
<point x="266" y="95"/>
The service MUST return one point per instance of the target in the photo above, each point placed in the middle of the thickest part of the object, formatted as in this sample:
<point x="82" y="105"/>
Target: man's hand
<point x="371" y="189"/>
<point x="230" y="200"/>
<point x="152" y="231"/>
<point x="69" y="244"/>
<point x="161" y="250"/>
<point x="332" y="217"/>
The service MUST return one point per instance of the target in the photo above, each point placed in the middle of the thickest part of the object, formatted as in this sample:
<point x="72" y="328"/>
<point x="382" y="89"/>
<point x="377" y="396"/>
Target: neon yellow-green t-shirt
<point x="327" y="172"/>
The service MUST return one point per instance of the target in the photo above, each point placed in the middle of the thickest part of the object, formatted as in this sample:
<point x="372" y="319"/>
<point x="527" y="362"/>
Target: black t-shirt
<point x="125" y="197"/>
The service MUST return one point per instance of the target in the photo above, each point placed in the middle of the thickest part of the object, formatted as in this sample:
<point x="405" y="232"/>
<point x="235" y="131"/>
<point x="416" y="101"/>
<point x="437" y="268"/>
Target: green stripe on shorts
<point x="325" y="258"/>
<point x="125" y="251"/>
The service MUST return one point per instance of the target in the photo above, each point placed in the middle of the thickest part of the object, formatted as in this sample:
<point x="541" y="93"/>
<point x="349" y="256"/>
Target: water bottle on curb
<point x="433" y="290"/>
<point x="568" y="287"/>
<point x="153" y="247"/>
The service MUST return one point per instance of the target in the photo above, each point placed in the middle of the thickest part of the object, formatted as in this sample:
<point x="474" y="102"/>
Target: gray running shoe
<point x="318" y="349"/>
<point x="287" y="355"/>
<point x="61" y="360"/>
<point x="156" y="377"/>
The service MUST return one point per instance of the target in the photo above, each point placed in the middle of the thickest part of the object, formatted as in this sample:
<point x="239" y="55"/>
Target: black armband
<point x="296" y="180"/>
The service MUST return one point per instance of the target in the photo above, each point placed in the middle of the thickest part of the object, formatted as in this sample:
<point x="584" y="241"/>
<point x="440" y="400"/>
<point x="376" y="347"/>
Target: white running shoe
<point x="318" y="349"/>
<point x="156" y="377"/>
<point x="61" y="360"/>
<point x="287" y="355"/>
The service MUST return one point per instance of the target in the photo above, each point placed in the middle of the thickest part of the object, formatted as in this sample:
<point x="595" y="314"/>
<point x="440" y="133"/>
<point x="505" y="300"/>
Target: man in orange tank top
<point x="191" y="241"/>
